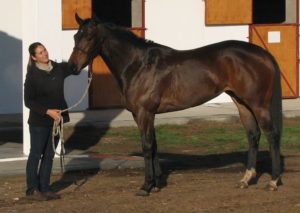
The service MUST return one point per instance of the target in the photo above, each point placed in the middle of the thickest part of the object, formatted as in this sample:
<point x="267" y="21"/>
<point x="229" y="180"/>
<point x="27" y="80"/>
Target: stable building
<point x="179" y="24"/>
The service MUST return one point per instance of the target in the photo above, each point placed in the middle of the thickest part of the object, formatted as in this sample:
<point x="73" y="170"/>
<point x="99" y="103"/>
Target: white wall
<point x="10" y="57"/>
<point x="181" y="25"/>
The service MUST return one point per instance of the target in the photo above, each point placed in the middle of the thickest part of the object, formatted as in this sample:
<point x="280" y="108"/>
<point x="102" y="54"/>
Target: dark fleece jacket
<point x="45" y="90"/>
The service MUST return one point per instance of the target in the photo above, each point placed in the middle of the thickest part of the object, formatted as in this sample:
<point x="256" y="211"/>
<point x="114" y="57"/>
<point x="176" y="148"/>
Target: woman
<point x="44" y="96"/>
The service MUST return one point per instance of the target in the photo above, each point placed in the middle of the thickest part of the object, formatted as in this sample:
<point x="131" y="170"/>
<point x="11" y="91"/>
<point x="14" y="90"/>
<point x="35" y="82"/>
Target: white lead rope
<point x="58" y="128"/>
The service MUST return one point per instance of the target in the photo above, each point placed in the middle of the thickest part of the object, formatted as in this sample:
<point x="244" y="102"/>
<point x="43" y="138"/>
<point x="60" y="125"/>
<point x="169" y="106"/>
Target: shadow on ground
<point x="77" y="178"/>
<point x="225" y="162"/>
<point x="81" y="137"/>
<point x="170" y="162"/>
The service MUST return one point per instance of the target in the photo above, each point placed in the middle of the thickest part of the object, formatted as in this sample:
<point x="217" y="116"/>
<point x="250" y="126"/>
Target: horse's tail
<point x="276" y="104"/>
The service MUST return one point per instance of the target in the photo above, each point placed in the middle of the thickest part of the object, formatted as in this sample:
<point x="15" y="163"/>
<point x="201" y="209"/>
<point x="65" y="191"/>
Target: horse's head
<point x="87" y="44"/>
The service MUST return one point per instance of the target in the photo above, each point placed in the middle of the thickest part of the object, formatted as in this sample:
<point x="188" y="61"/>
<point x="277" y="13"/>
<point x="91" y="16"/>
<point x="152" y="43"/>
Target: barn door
<point x="104" y="91"/>
<point x="281" y="42"/>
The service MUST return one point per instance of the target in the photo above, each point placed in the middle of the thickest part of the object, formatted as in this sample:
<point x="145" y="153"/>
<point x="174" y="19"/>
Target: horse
<point x="154" y="78"/>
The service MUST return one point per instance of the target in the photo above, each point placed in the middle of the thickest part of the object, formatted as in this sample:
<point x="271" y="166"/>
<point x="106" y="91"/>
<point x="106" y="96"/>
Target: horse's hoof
<point x="271" y="187"/>
<point x="155" y="190"/>
<point x="242" y="185"/>
<point x="142" y="193"/>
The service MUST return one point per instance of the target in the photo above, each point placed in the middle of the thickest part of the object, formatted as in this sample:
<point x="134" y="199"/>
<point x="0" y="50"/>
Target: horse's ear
<point x="78" y="19"/>
<point x="95" y="18"/>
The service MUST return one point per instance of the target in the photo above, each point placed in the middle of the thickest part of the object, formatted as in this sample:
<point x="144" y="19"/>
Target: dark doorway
<point x="113" y="11"/>
<point x="268" y="11"/>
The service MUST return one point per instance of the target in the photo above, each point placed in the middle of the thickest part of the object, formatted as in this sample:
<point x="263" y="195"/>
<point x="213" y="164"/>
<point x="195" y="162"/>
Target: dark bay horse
<point x="155" y="79"/>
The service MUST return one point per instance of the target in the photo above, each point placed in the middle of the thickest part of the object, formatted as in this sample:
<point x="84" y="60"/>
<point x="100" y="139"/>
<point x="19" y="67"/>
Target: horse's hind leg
<point x="253" y="133"/>
<point x="265" y="121"/>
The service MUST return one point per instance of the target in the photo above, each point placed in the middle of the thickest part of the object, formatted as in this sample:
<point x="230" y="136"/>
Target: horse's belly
<point x="188" y="89"/>
<point x="170" y="104"/>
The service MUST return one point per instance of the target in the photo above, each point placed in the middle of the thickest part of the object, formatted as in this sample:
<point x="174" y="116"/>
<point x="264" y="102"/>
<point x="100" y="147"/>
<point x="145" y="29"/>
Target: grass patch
<point x="200" y="137"/>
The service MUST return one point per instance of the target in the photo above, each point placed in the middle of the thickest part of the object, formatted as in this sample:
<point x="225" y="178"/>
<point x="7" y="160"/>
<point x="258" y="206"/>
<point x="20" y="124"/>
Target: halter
<point x="93" y="52"/>
<point x="92" y="55"/>
<point x="80" y="50"/>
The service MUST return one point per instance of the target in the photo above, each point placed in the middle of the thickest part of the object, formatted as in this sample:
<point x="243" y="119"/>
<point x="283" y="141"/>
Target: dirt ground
<point x="189" y="189"/>
<point x="194" y="183"/>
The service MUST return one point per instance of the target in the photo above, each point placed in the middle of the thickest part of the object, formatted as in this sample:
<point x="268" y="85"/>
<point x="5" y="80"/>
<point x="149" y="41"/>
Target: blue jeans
<point x="40" y="159"/>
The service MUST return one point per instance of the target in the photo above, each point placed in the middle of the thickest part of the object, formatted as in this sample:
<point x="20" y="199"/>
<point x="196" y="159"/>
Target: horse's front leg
<point x="153" y="173"/>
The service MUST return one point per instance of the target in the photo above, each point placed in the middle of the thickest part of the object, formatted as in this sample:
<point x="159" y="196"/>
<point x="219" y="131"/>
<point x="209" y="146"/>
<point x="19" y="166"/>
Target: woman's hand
<point x="54" y="114"/>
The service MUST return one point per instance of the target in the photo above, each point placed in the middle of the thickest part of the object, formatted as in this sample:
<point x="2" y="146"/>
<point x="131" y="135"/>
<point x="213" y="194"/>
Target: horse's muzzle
<point x="73" y="68"/>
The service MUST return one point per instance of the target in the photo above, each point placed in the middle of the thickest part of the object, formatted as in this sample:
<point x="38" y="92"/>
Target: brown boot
<point x="36" y="195"/>
<point x="51" y="195"/>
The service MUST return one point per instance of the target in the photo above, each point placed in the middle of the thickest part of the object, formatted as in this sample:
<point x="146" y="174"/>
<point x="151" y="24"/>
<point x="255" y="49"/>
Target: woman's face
<point x="41" y="55"/>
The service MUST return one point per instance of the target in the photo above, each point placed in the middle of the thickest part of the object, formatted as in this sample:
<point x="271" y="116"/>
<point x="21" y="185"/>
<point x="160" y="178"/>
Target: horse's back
<point x="198" y="75"/>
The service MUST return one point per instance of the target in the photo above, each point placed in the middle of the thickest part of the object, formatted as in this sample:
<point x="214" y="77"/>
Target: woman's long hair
<point x="31" y="49"/>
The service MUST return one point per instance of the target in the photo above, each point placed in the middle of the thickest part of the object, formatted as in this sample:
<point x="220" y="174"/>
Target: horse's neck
<point x="118" y="55"/>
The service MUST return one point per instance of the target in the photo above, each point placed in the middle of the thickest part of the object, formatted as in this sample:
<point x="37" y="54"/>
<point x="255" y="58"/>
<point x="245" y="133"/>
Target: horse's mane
<point x="127" y="34"/>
